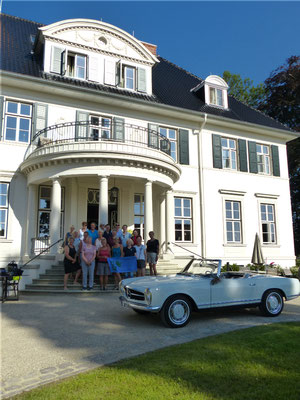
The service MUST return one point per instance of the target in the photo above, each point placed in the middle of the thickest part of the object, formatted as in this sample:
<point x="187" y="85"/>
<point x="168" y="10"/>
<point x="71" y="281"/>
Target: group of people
<point x="87" y="250"/>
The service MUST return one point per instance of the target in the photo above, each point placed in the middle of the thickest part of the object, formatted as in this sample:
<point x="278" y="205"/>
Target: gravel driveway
<point x="49" y="337"/>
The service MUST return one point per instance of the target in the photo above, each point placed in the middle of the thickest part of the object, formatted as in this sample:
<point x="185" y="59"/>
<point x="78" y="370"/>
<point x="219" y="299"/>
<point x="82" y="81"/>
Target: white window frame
<point x="215" y="90"/>
<point x="76" y="55"/>
<point x="18" y="116"/>
<point x="268" y="223"/>
<point x="141" y="215"/>
<point x="182" y="218"/>
<point x="231" y="151"/>
<point x="127" y="67"/>
<point x="172" y="140"/>
<point x="5" y="208"/>
<point x="100" y="128"/>
<point x="48" y="211"/>
<point x="238" y="196"/>
<point x="232" y="220"/>
<point x="263" y="159"/>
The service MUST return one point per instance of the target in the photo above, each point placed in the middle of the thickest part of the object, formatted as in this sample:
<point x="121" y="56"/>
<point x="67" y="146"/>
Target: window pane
<point x="44" y="224"/>
<point x="178" y="236"/>
<point x="177" y="202"/>
<point x="219" y="97"/>
<point x="137" y="208"/>
<point x="177" y="212"/>
<point x="23" y="136"/>
<point x="177" y="224"/>
<point x="229" y="226"/>
<point x="265" y="150"/>
<point x="186" y="212"/>
<point x="229" y="236"/>
<point x="187" y="236"/>
<point x="81" y="61"/>
<point x="224" y="142"/>
<point x="212" y="95"/>
<point x="172" y="134"/>
<point x="232" y="144"/>
<point x="12" y="107"/>
<point x="25" y="109"/>
<point x="3" y="188"/>
<point x="95" y="121"/>
<point x="10" y="134"/>
<point x="187" y="203"/>
<point x="237" y="236"/>
<point x="163" y="131"/>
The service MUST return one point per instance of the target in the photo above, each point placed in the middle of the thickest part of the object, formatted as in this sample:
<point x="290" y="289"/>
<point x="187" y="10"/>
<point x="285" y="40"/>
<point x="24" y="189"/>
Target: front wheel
<point x="272" y="303"/>
<point x="176" y="311"/>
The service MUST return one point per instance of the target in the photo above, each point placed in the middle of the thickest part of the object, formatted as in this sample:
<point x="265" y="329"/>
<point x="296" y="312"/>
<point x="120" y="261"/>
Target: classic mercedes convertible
<point x="202" y="285"/>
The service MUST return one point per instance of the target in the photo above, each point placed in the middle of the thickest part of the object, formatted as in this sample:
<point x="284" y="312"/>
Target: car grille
<point x="134" y="294"/>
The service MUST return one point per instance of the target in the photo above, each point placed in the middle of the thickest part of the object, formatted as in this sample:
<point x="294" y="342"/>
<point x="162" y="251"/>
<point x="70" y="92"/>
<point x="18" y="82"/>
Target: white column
<point x="103" y="200"/>
<point x="31" y="217"/>
<point x="162" y="223"/>
<point x="148" y="218"/>
<point x="73" y="205"/>
<point x="170" y="234"/>
<point x="55" y="215"/>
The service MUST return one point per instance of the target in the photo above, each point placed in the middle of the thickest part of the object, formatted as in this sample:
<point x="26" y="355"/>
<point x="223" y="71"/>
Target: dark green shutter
<point x="39" y="118"/>
<point x="275" y="160"/>
<point x="217" y="151"/>
<point x="141" y="80"/>
<point x="1" y="114"/>
<point x="153" y="136"/>
<point x="252" y="157"/>
<point x="119" y="129"/>
<point x="243" y="155"/>
<point x="82" y="131"/>
<point x="184" y="157"/>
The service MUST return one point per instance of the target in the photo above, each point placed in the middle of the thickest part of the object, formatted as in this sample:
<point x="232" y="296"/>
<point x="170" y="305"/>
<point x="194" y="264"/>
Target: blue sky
<point x="250" y="38"/>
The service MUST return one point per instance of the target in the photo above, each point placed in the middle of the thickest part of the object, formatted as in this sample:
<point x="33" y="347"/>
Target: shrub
<point x="231" y="267"/>
<point x="295" y="271"/>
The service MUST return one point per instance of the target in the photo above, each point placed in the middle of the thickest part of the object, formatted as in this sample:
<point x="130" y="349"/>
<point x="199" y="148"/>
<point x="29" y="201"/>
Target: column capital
<point x="148" y="182"/>
<point x="56" y="179"/>
<point x="103" y="176"/>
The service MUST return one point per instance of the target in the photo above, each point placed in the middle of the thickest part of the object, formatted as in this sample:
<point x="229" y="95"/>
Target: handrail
<point x="115" y="131"/>
<point x="43" y="251"/>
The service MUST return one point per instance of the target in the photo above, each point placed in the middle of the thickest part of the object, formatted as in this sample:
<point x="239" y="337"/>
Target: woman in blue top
<point x="129" y="251"/>
<point x="117" y="251"/>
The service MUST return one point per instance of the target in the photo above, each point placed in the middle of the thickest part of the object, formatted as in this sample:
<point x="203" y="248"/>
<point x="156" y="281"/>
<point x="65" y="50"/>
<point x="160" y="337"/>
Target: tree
<point x="243" y="89"/>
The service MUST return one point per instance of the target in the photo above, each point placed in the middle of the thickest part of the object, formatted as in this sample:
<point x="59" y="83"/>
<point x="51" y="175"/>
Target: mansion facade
<point x="95" y="126"/>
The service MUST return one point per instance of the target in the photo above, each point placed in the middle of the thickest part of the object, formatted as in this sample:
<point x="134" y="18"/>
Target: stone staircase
<point x="52" y="280"/>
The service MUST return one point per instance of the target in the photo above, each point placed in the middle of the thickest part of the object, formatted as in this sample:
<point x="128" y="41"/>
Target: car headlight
<point x="148" y="296"/>
<point x="121" y="288"/>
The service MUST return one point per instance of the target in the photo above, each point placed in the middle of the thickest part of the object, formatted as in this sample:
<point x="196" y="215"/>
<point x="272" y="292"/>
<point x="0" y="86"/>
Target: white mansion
<point x="96" y="126"/>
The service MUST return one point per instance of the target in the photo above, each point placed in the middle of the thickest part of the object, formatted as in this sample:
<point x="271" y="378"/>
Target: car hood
<point x="154" y="281"/>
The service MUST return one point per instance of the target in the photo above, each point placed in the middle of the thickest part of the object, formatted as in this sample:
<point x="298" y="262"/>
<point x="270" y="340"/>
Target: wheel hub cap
<point x="179" y="312"/>
<point x="274" y="303"/>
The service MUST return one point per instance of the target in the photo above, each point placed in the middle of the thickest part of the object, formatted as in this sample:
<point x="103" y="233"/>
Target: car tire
<point x="141" y="312"/>
<point x="272" y="303"/>
<point x="176" y="311"/>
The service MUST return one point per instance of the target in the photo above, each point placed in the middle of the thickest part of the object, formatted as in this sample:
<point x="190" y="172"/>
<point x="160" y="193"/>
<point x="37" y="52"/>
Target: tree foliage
<point x="243" y="89"/>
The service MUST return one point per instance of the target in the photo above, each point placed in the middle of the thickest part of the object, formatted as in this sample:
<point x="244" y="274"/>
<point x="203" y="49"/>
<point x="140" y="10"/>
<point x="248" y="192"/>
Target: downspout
<point x="201" y="187"/>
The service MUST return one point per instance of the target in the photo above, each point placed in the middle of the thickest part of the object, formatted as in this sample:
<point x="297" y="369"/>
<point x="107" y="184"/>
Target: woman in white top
<point x="98" y="243"/>
<point x="141" y="256"/>
<point x="82" y="230"/>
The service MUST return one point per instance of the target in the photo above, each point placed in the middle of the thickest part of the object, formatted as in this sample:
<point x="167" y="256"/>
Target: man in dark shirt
<point x="152" y="253"/>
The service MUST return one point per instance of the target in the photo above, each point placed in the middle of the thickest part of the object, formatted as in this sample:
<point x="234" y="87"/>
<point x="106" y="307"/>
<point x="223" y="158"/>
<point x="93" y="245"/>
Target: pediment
<point x="100" y="36"/>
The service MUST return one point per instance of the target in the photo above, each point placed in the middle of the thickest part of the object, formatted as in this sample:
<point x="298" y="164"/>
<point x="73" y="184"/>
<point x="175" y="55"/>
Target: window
<point x="45" y="210"/>
<point x="3" y="209"/>
<point x="17" y="122"/>
<point x="267" y="216"/>
<point x="129" y="77"/>
<point x="263" y="159"/>
<point x="76" y="66"/>
<point x="139" y="213"/>
<point x="100" y="128"/>
<point x="233" y="221"/>
<point x="171" y="134"/>
<point x="183" y="219"/>
<point x="228" y="153"/>
<point x="216" y="96"/>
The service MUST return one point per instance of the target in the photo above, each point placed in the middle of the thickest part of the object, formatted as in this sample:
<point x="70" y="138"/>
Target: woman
<point x="129" y="251"/>
<point x="134" y="236"/>
<point x="69" y="234"/>
<point x="98" y="243"/>
<point x="103" y="269"/>
<point x="88" y="256"/>
<point x="117" y="251"/>
<point x="70" y="262"/>
<point x="140" y="256"/>
<point x="77" y="243"/>
<point x="152" y="253"/>
<point x="82" y="230"/>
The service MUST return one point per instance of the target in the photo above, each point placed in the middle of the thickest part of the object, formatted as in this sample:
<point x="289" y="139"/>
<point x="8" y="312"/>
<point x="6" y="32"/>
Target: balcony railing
<point x="109" y="131"/>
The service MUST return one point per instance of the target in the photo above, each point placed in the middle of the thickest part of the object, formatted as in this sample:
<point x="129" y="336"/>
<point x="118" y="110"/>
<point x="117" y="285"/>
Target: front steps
<point x="52" y="280"/>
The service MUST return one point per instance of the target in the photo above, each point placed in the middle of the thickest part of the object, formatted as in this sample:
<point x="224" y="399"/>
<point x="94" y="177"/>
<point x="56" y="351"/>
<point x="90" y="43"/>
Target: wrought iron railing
<point x="43" y="251"/>
<point x="111" y="131"/>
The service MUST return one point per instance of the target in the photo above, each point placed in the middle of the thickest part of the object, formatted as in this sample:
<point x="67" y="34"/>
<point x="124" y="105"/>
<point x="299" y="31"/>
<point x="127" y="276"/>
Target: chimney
<point x="151" y="47"/>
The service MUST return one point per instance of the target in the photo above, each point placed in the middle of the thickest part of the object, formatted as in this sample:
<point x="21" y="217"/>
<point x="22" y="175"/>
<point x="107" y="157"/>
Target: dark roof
<point x="171" y="84"/>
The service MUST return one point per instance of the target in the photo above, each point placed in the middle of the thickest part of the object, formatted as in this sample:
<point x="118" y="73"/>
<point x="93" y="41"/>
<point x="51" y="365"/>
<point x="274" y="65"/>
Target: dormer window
<point x="213" y="91"/>
<point x="129" y="77"/>
<point x="76" y="66"/>
<point x="216" y="96"/>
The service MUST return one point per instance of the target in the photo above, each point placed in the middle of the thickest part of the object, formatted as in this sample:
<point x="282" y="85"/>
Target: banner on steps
<point x="122" y="264"/>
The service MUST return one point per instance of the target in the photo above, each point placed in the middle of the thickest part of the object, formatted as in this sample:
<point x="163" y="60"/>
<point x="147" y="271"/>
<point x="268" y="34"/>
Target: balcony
<point x="111" y="144"/>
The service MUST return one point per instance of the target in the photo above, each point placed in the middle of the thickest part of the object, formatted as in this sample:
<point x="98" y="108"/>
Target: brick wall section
<point x="151" y="47"/>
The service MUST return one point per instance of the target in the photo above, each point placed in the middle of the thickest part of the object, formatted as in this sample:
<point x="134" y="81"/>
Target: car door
<point x="233" y="291"/>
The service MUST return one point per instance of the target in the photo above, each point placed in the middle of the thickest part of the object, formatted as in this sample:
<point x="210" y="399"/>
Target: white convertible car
<point x="202" y="286"/>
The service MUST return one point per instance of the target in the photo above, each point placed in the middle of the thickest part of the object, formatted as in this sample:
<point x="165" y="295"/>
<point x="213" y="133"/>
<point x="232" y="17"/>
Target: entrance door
<point x="93" y="208"/>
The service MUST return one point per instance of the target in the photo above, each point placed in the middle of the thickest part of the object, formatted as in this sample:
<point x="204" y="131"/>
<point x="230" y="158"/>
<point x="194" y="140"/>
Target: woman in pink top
<point x="88" y="256"/>
<point x="103" y="270"/>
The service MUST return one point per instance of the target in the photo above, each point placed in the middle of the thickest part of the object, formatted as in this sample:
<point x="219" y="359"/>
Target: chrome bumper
<point x="139" y="306"/>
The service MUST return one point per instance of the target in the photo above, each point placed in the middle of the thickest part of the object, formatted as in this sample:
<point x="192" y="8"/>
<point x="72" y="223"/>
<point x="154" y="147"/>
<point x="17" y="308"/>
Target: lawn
<point x="260" y="363"/>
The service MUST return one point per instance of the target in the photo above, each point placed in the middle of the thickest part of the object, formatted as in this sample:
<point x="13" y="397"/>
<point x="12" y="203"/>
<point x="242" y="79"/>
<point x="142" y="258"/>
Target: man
<point x="108" y="235"/>
<point x="93" y="233"/>
<point x="152" y="253"/>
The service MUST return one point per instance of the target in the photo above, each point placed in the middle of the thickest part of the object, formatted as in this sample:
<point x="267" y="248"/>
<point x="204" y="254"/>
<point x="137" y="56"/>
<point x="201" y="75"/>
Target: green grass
<point x="260" y="363"/>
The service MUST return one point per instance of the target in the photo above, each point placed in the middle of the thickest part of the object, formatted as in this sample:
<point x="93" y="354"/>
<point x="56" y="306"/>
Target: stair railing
<point x="43" y="251"/>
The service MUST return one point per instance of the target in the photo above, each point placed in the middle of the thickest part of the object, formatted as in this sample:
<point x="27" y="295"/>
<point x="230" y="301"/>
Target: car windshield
<point x="200" y="267"/>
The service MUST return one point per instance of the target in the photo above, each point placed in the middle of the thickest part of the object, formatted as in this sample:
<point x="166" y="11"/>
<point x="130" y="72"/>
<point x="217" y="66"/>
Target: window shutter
<point x="243" y="155"/>
<point x="165" y="146"/>
<point x="184" y="147"/>
<point x="252" y="157"/>
<point x="217" y="151"/>
<point x="119" y="74"/>
<point x="275" y="160"/>
<point x="40" y="118"/>
<point x="153" y="137"/>
<point x="82" y="131"/>
<point x="1" y="114"/>
<point x="119" y="129"/>
<point x="109" y="72"/>
<point x="56" y="59"/>
<point x="94" y="69"/>
<point x="141" y="80"/>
